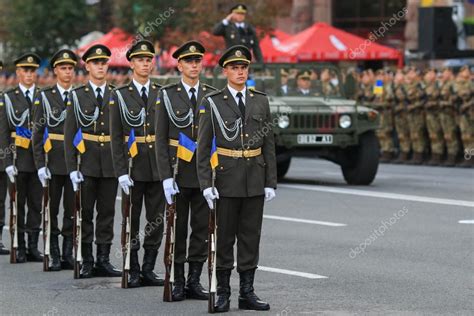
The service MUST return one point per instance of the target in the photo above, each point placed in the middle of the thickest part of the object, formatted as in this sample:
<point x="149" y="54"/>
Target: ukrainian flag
<point x="378" y="88"/>
<point x="186" y="147"/>
<point x="47" y="145"/>
<point x="214" y="158"/>
<point x="23" y="137"/>
<point x="79" y="142"/>
<point x="202" y="109"/>
<point x="132" y="144"/>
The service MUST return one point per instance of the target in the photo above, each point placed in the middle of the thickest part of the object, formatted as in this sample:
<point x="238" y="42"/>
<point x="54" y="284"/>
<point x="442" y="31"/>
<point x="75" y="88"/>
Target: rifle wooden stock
<point x="212" y="252"/>
<point x="13" y="216"/>
<point x="46" y="223"/>
<point x="77" y="228"/>
<point x="126" y="236"/>
<point x="170" y="244"/>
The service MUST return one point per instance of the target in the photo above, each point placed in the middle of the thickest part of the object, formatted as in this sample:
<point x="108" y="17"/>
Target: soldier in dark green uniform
<point x="88" y="111"/>
<point x="15" y="133"/>
<point x="3" y="185"/>
<point x="237" y="32"/>
<point x="303" y="83"/>
<point x="178" y="113"/>
<point x="50" y="114"/>
<point x="133" y="107"/>
<point x="239" y="120"/>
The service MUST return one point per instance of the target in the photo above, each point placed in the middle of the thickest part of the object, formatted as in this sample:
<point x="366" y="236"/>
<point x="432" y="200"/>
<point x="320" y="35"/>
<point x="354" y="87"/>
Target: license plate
<point x="314" y="139"/>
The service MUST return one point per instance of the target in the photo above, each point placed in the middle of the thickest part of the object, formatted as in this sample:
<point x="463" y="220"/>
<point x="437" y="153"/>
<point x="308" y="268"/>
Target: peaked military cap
<point x="98" y="51"/>
<point x="28" y="60"/>
<point x="304" y="74"/>
<point x="140" y="49"/>
<point x="236" y="54"/>
<point x="189" y="50"/>
<point x="239" y="8"/>
<point x="63" y="56"/>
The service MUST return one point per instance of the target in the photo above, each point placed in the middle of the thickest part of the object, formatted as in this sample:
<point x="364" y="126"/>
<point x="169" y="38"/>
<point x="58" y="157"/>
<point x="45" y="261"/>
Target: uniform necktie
<point x="27" y="97"/>
<point x="144" y="96"/>
<point x="193" y="97"/>
<point x="241" y="103"/>
<point x="66" y="93"/>
<point x="99" y="96"/>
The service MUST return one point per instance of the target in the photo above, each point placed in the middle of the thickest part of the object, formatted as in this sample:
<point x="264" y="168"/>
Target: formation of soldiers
<point x="184" y="144"/>
<point x="429" y="114"/>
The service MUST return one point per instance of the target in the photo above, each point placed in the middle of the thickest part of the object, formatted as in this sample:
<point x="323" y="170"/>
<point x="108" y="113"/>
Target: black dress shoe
<point x="87" y="270"/>
<point x="21" y="255"/>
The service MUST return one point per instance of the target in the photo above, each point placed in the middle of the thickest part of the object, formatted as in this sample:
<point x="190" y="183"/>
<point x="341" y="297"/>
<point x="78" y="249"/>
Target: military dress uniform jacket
<point x="168" y="133"/>
<point x="3" y="150"/>
<point x="25" y="161"/>
<point x="55" y="108"/>
<point x="97" y="160"/>
<point x="144" y="164"/>
<point x="234" y="35"/>
<point x="238" y="177"/>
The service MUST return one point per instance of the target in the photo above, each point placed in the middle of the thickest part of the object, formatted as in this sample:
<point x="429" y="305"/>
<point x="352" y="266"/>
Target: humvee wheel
<point x="282" y="168"/>
<point x="363" y="161"/>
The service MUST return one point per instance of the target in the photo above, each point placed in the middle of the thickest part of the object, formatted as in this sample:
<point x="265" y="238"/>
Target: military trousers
<point x="241" y="219"/>
<point x="403" y="132"/>
<point x="449" y="128"/>
<point x="384" y="133"/>
<point x="152" y="194"/>
<point x="466" y="125"/>
<point x="29" y="193"/>
<point x="3" y="196"/>
<point x="417" y="126"/>
<point x="435" y="132"/>
<point x="98" y="194"/>
<point x="192" y="210"/>
<point x="59" y="185"/>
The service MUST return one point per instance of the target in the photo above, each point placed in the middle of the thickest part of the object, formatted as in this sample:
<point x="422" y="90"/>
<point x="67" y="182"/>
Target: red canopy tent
<point x="269" y="45"/>
<point x="326" y="43"/>
<point x="118" y="41"/>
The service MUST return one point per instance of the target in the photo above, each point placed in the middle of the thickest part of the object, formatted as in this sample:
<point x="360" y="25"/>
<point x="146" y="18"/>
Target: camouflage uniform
<point x="447" y="119"/>
<point x="465" y="91"/>
<point x="416" y="120"/>
<point x="433" y="122"/>
<point x="383" y="104"/>
<point x="401" y="122"/>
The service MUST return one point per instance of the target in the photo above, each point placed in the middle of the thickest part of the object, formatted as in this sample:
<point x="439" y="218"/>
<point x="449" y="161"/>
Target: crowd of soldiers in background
<point x="425" y="117"/>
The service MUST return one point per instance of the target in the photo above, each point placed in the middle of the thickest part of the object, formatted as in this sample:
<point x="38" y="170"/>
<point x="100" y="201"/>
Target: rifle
<point x="170" y="243"/>
<point x="126" y="230"/>
<point x="212" y="250"/>
<point x="77" y="228"/>
<point x="46" y="222"/>
<point x="13" y="217"/>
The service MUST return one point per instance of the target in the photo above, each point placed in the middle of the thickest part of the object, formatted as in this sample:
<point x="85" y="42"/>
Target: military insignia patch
<point x="30" y="59"/>
<point x="65" y="55"/>
<point x="238" y="53"/>
<point x="98" y="51"/>
<point x="192" y="48"/>
<point x="143" y="47"/>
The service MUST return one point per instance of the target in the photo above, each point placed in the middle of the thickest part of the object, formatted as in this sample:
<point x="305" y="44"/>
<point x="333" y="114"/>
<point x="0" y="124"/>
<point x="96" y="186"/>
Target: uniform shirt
<point x="234" y="94"/>
<point x="188" y="87"/>
<point x="94" y="88"/>
<point x="24" y="89"/>
<point x="139" y="87"/>
<point x="241" y="24"/>
<point x="62" y="90"/>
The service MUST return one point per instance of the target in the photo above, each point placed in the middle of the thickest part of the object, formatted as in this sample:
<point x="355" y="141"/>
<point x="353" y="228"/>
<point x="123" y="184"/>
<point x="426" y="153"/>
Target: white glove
<point x="125" y="182"/>
<point x="76" y="179"/>
<point x="11" y="172"/>
<point x="170" y="189"/>
<point x="44" y="174"/>
<point x="269" y="194"/>
<point x="210" y="195"/>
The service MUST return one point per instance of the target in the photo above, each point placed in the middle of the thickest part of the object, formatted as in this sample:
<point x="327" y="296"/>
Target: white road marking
<point x="467" y="221"/>
<point x="291" y="272"/>
<point x="306" y="221"/>
<point x="383" y="195"/>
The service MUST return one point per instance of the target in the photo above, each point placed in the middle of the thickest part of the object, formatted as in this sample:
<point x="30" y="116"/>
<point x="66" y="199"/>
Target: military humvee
<point x="321" y="123"/>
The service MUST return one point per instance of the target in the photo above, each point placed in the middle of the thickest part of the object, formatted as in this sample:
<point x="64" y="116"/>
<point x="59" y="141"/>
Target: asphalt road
<point x="395" y="247"/>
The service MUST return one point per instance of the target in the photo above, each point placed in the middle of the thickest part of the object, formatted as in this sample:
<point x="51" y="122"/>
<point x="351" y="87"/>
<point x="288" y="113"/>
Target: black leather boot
<point x="54" y="262"/>
<point x="21" y="250"/>
<point x="179" y="281"/>
<point x="67" y="260"/>
<point x="134" y="273"/>
<point x="223" y="291"/>
<point x="194" y="288"/>
<point x="247" y="298"/>
<point x="103" y="267"/>
<point x="87" y="261"/>
<point x="3" y="249"/>
<point x="149" y="278"/>
<point x="33" y="253"/>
